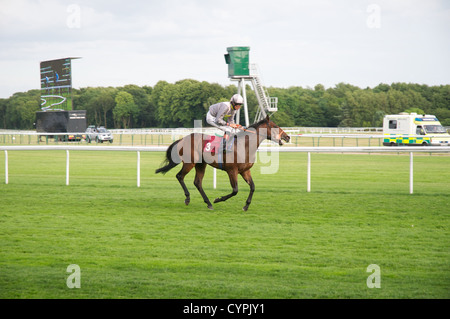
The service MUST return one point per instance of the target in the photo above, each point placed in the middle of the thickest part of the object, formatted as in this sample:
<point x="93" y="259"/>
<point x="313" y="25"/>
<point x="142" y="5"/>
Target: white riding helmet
<point x="237" y="99"/>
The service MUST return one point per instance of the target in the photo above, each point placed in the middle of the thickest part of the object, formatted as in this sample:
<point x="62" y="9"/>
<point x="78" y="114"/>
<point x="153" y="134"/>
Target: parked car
<point x="98" y="134"/>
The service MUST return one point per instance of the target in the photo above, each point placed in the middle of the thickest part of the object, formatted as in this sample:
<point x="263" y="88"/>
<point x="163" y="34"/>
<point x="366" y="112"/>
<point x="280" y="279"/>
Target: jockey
<point x="221" y="115"/>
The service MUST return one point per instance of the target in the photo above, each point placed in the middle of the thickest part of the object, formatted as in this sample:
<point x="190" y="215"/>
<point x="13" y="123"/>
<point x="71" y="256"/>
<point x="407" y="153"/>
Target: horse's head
<point x="275" y="133"/>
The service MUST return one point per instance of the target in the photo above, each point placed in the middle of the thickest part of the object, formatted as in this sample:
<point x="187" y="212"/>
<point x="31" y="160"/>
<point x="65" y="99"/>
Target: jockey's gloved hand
<point x="235" y="125"/>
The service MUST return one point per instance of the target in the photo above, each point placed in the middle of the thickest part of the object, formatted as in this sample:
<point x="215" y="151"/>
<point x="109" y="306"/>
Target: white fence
<point x="165" y="136"/>
<point x="308" y="150"/>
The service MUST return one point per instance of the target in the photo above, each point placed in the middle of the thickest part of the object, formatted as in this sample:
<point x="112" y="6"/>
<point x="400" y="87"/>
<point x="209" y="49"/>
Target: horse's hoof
<point x="210" y="207"/>
<point x="187" y="201"/>
<point x="216" y="200"/>
<point x="245" y="208"/>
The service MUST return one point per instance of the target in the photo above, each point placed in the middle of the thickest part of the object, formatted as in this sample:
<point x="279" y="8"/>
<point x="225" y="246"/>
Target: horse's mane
<point x="253" y="126"/>
<point x="257" y="124"/>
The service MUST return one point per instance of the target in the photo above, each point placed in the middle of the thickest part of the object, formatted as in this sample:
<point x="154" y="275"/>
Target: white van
<point x="413" y="129"/>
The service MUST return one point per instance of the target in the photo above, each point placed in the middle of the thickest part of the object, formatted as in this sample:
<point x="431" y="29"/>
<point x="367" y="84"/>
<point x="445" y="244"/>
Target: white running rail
<point x="309" y="150"/>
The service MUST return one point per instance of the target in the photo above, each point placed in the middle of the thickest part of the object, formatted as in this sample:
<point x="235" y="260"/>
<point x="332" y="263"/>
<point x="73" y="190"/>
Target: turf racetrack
<point x="144" y="242"/>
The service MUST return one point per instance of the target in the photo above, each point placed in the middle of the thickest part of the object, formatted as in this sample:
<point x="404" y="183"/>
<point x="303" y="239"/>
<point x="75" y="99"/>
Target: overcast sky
<point x="294" y="42"/>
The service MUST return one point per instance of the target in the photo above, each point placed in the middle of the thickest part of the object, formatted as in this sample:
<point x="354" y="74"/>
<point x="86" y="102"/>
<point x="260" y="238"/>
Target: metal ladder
<point x="266" y="103"/>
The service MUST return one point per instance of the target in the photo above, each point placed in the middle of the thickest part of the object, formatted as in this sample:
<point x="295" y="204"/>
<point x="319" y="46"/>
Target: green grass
<point x="145" y="243"/>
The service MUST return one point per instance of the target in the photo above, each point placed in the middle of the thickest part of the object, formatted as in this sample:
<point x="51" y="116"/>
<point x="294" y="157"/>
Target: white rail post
<point x="308" y="186"/>
<point x="214" y="178"/>
<point x="411" y="173"/>
<point x="138" y="169"/>
<point x="6" y="167"/>
<point x="67" y="167"/>
<point x="244" y="95"/>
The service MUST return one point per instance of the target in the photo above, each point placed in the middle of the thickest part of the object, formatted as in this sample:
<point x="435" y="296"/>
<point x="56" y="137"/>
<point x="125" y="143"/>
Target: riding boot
<point x="225" y="142"/>
<point x="228" y="141"/>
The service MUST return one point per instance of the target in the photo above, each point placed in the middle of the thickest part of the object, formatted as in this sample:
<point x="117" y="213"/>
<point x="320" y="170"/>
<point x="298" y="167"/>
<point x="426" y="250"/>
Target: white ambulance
<point x="414" y="129"/>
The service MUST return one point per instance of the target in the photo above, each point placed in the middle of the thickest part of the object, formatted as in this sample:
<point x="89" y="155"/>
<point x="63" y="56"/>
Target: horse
<point x="194" y="151"/>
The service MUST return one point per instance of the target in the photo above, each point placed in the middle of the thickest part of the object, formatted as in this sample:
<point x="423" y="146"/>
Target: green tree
<point x="147" y="116"/>
<point x="20" y="112"/>
<point x="283" y="119"/>
<point x="414" y="110"/>
<point x="84" y="99"/>
<point x="160" y="101"/>
<point x="3" y="107"/>
<point x="125" y="109"/>
<point x="105" y="101"/>
<point x="179" y="104"/>
<point x="141" y="100"/>
<point x="187" y="104"/>
<point x="330" y="105"/>
<point x="382" y="87"/>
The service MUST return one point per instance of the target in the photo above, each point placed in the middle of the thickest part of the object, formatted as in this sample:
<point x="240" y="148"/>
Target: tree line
<point x="179" y="104"/>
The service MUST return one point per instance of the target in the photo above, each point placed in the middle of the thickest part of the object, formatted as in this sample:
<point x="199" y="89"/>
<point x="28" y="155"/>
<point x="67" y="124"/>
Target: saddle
<point x="212" y="144"/>
<point x="217" y="144"/>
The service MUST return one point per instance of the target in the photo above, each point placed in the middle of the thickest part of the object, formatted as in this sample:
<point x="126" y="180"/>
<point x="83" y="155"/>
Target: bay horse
<point x="193" y="151"/>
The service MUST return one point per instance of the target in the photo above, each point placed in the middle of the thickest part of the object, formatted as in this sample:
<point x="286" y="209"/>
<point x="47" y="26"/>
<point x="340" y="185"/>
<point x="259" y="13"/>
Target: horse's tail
<point x="169" y="161"/>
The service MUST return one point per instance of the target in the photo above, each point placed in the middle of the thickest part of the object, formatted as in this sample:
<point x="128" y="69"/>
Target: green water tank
<point x="238" y="60"/>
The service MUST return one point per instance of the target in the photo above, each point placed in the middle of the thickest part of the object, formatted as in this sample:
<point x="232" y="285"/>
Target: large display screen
<point x="56" y="84"/>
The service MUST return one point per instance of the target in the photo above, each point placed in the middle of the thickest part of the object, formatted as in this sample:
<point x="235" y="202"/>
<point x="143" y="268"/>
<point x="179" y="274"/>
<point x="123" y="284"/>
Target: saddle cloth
<point x="212" y="143"/>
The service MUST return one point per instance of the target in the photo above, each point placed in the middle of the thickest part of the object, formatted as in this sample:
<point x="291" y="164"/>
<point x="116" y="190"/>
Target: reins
<point x="245" y="130"/>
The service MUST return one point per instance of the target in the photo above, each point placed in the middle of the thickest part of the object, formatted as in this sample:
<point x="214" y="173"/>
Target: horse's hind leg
<point x="199" y="174"/>
<point x="180" y="176"/>
<point x="234" y="184"/>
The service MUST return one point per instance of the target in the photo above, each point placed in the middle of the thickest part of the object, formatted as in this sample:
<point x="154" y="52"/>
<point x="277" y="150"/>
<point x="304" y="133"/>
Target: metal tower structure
<point x="240" y="70"/>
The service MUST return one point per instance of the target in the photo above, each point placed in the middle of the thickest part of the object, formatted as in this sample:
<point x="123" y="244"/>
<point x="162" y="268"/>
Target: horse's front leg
<point x="247" y="176"/>
<point x="233" y="181"/>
